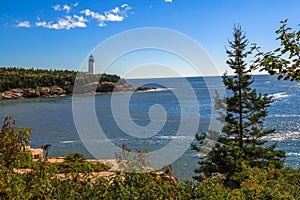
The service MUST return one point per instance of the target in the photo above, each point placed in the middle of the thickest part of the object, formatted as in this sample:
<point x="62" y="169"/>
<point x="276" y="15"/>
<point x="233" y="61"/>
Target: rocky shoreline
<point x="44" y="92"/>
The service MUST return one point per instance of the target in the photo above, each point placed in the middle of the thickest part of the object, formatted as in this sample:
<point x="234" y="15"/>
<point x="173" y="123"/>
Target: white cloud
<point x="126" y="7"/>
<point x="93" y="14"/>
<point x="113" y="18"/>
<point x="57" y="7"/>
<point x="24" y="24"/>
<point x="80" y="20"/>
<point x="101" y="24"/>
<point x="115" y="10"/>
<point x="67" y="23"/>
<point x="116" y="14"/>
<point x="43" y="23"/>
<point x="65" y="7"/>
<point x="169" y="1"/>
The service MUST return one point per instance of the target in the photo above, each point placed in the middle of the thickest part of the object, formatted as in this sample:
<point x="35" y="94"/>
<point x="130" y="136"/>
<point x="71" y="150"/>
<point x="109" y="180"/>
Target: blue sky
<point x="61" y="34"/>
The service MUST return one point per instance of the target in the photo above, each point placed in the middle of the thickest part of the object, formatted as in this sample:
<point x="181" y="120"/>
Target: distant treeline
<point x="11" y="78"/>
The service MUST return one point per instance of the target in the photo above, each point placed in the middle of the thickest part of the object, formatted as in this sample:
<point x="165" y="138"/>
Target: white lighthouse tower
<point x="91" y="65"/>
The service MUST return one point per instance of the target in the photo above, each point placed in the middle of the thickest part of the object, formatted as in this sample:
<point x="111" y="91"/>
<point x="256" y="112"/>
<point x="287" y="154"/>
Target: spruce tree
<point x="244" y="109"/>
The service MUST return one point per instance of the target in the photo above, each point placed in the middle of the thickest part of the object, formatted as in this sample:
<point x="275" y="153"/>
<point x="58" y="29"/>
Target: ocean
<point x="52" y="120"/>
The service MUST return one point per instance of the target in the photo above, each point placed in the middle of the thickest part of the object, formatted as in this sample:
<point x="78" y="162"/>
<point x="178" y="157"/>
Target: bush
<point x="12" y="145"/>
<point x="76" y="162"/>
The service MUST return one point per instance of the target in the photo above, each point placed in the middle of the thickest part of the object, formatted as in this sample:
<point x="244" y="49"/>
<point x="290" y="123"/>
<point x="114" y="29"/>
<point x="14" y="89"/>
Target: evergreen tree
<point x="240" y="143"/>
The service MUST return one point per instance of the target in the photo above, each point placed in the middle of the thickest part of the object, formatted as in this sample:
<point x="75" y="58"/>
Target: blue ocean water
<point x="52" y="121"/>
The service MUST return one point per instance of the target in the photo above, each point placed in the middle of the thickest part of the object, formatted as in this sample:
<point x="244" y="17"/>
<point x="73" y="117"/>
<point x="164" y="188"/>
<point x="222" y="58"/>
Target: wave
<point x="175" y="137"/>
<point x="68" y="141"/>
<point x="293" y="154"/>
<point x="201" y="155"/>
<point x="283" y="136"/>
<point x="280" y="95"/>
<point x="284" y="115"/>
<point x="157" y="89"/>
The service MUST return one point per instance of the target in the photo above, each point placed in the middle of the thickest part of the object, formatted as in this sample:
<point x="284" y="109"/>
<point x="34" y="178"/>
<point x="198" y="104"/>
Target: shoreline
<point x="55" y="91"/>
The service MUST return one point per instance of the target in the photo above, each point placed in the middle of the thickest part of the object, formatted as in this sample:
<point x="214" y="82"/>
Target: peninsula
<point x="17" y="83"/>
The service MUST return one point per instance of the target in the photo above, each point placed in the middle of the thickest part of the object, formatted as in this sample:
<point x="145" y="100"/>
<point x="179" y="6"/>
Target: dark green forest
<point x="13" y="77"/>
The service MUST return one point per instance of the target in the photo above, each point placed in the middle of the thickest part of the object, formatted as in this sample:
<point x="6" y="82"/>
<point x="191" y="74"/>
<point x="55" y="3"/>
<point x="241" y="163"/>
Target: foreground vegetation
<point x="79" y="182"/>
<point x="41" y="184"/>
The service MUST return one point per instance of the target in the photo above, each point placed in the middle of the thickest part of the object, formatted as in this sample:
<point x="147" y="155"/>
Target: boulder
<point x="12" y="94"/>
<point x="31" y="93"/>
<point x="44" y="91"/>
<point x="105" y="87"/>
<point x="36" y="153"/>
<point x="57" y="91"/>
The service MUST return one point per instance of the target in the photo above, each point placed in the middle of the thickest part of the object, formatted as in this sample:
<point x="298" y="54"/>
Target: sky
<point x="52" y="34"/>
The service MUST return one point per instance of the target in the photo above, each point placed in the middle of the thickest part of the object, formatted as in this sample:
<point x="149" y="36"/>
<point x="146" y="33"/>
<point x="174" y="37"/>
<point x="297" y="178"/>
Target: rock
<point x="22" y="171"/>
<point x="31" y="93"/>
<point x="106" y="87"/>
<point x="68" y="89"/>
<point x="57" y="91"/>
<point x="44" y="91"/>
<point x="157" y="173"/>
<point x="56" y="160"/>
<point x="36" y="153"/>
<point x="171" y="179"/>
<point x="12" y="94"/>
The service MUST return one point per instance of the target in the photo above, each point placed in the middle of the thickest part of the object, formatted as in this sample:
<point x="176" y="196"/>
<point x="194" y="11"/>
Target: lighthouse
<point x="91" y="64"/>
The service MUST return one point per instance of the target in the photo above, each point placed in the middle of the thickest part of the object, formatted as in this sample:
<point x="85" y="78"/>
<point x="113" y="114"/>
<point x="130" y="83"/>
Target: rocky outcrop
<point x="105" y="87"/>
<point x="36" y="153"/>
<point x="32" y="93"/>
<point x="165" y="177"/>
<point x="108" y="87"/>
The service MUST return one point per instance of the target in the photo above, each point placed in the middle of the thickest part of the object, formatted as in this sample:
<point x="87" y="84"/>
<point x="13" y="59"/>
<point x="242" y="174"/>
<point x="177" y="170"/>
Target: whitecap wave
<point x="293" y="154"/>
<point x="175" y="137"/>
<point x="201" y="155"/>
<point x="283" y="136"/>
<point x="157" y="90"/>
<point x="279" y="95"/>
<point x="285" y="115"/>
<point x="68" y="141"/>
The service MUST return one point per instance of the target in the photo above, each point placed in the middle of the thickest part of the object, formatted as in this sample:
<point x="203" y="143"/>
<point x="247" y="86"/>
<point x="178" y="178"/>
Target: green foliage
<point x="285" y="60"/>
<point x="75" y="162"/>
<point x="132" y="161"/>
<point x="240" y="142"/>
<point x="74" y="157"/>
<point x="266" y="184"/>
<point x="12" y="144"/>
<point x="11" y="78"/>
<point x="42" y="184"/>
<point x="111" y="78"/>
<point x="45" y="180"/>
